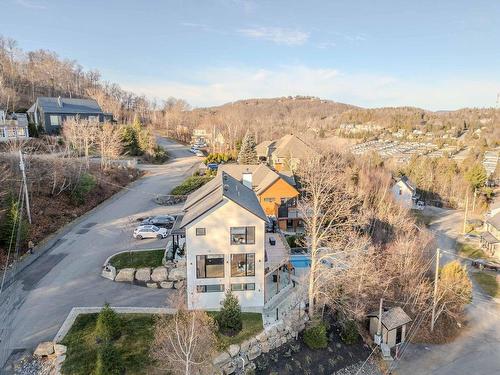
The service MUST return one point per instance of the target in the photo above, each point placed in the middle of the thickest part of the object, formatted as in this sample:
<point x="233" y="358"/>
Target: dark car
<point x="163" y="221"/>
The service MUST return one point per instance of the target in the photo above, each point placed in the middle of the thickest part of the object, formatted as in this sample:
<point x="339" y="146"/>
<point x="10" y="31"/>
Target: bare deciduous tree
<point x="185" y="342"/>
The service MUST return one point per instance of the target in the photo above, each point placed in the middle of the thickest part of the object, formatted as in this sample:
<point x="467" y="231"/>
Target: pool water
<point x="301" y="261"/>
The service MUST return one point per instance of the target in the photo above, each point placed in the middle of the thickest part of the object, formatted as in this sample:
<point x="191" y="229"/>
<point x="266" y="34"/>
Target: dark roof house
<point x="50" y="113"/>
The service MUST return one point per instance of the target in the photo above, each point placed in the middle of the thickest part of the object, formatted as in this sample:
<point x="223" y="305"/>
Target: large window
<point x="242" y="287"/>
<point x="242" y="235"/>
<point x="55" y="120"/>
<point x="242" y="265"/>
<point x="209" y="266"/>
<point x="214" y="288"/>
<point x="269" y="200"/>
<point x="201" y="231"/>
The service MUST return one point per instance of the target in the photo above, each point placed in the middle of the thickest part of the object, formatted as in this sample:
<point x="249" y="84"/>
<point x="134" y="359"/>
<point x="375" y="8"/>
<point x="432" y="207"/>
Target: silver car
<point x="150" y="231"/>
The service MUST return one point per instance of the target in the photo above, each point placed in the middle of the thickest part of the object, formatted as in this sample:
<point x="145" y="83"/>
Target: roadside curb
<point x="76" y="311"/>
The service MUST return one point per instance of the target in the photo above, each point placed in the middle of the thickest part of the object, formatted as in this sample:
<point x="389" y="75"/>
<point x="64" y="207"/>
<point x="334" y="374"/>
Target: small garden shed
<point x="394" y="322"/>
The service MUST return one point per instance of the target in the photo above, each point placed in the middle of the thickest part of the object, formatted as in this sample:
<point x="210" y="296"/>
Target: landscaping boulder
<point x="229" y="368"/>
<point x="254" y="352"/>
<point x="222" y="359"/>
<point x="177" y="274"/>
<point x="60" y="349"/>
<point x="125" y="274"/>
<point x="159" y="274"/>
<point x="261" y="337"/>
<point x="109" y="272"/>
<point x="233" y="350"/>
<point x="179" y="284"/>
<point x="265" y="347"/>
<point x="246" y="345"/>
<point x="152" y="285"/>
<point x="167" y="284"/>
<point x="44" y="349"/>
<point x="143" y="274"/>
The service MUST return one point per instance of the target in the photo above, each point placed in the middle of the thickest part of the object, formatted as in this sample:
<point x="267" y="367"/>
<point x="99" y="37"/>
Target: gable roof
<point x="392" y="318"/>
<point x="262" y="148"/>
<point x="291" y="146"/>
<point x="495" y="221"/>
<point x="262" y="176"/>
<point x="214" y="192"/>
<point x="406" y="181"/>
<point x="67" y="105"/>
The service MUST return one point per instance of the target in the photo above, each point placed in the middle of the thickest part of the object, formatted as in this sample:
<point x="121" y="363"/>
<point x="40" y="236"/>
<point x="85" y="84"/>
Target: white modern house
<point x="227" y="247"/>
<point x="405" y="192"/>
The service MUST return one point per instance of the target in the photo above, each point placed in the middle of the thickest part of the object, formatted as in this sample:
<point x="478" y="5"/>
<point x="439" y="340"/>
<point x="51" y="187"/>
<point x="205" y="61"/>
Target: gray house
<point x="50" y="113"/>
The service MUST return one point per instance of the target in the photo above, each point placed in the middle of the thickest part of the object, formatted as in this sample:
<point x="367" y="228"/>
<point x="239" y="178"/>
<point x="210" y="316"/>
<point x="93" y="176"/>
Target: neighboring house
<point x="227" y="247"/>
<point x="405" y="192"/>
<point x="394" y="326"/>
<point x="284" y="153"/>
<point x="490" y="239"/>
<point x="276" y="192"/>
<point x="14" y="126"/>
<point x="50" y="113"/>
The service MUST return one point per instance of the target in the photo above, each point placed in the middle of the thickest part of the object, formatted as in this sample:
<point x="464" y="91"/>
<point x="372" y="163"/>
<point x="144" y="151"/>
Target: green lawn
<point x="133" y="345"/>
<point x="252" y="325"/>
<point x="470" y="251"/>
<point x="138" y="259"/>
<point x="488" y="283"/>
<point x="190" y="184"/>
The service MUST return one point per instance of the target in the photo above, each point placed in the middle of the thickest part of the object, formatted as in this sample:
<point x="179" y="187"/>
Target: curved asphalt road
<point x="33" y="308"/>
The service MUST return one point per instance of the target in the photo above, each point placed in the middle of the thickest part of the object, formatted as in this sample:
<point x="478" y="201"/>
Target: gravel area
<point x="369" y="368"/>
<point x="33" y="366"/>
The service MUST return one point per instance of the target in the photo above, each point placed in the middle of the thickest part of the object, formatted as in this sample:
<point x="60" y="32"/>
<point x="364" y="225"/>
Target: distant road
<point x="477" y="350"/>
<point x="35" y="305"/>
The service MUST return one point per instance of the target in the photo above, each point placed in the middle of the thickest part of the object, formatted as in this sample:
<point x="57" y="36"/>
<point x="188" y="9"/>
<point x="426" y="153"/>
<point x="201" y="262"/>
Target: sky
<point x="437" y="55"/>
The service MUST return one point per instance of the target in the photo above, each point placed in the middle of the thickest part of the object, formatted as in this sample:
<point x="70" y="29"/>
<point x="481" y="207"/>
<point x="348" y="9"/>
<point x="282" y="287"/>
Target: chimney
<point x="59" y="102"/>
<point x="247" y="179"/>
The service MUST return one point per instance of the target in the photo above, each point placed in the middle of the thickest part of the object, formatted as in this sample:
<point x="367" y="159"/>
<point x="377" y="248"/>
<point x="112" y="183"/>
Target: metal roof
<point x="214" y="192"/>
<point x="66" y="105"/>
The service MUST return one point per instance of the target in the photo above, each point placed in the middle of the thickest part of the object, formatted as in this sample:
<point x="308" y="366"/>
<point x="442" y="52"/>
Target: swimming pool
<point x="301" y="261"/>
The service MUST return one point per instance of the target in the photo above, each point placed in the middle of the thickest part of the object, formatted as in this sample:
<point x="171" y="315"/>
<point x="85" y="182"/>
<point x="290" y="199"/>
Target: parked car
<point x="162" y="221"/>
<point x="193" y="149"/>
<point x="150" y="231"/>
<point x="213" y="166"/>
<point x="484" y="264"/>
<point x="199" y="153"/>
<point x="420" y="205"/>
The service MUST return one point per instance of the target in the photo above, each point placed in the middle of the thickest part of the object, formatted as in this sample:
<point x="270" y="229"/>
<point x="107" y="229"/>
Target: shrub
<point x="109" y="361"/>
<point x="84" y="186"/>
<point x="190" y="184"/>
<point x="108" y="325"/>
<point x="349" y="332"/>
<point x="229" y="317"/>
<point x="159" y="155"/>
<point x="315" y="336"/>
<point x="10" y="218"/>
<point x="218" y="158"/>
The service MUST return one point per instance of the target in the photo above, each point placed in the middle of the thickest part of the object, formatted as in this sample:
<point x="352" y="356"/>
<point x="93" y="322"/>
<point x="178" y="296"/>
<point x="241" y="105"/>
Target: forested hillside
<point x="24" y="75"/>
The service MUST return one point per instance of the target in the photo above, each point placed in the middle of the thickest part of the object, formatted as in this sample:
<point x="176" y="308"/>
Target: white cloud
<point x="30" y="4"/>
<point x="221" y="85"/>
<point x="277" y="35"/>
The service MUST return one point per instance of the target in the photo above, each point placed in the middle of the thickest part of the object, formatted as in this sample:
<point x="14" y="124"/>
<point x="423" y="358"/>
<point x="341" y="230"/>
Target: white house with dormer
<point x="405" y="192"/>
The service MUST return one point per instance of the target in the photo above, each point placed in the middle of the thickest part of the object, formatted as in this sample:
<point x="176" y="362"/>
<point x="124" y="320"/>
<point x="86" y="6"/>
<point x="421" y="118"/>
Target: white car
<point x="150" y="231"/>
<point x="199" y="153"/>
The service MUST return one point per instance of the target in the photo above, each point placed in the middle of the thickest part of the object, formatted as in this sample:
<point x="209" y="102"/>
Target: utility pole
<point x="466" y="208"/>
<point x="21" y="167"/>
<point x="474" y="200"/>
<point x="436" y="278"/>
<point x="378" y="336"/>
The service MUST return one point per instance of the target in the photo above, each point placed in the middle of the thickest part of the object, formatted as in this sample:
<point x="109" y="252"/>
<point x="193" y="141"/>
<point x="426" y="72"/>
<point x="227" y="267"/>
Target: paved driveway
<point x="35" y="305"/>
<point x="477" y="350"/>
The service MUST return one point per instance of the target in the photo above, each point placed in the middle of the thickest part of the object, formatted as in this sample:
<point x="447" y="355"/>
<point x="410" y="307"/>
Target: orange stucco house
<point x="276" y="192"/>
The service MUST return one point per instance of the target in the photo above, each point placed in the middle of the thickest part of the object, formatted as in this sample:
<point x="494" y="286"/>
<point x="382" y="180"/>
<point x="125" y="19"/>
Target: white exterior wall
<point x="405" y="198"/>
<point x="389" y="337"/>
<point x="217" y="240"/>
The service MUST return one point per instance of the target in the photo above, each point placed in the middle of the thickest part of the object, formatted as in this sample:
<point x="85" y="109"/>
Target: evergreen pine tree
<point x="229" y="317"/>
<point x="248" y="154"/>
